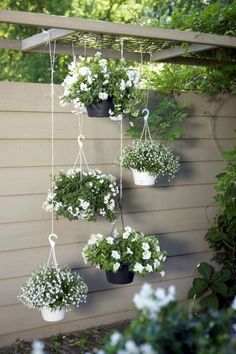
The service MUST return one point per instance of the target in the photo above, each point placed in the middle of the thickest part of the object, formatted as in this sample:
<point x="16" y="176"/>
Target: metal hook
<point x="146" y="115"/>
<point x="52" y="243"/>
<point x="79" y="140"/>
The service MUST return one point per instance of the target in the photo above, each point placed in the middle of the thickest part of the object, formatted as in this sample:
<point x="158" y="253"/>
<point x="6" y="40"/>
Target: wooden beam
<point x="13" y="44"/>
<point x="85" y="25"/>
<point x="197" y="61"/>
<point x="179" y="51"/>
<point x="43" y="37"/>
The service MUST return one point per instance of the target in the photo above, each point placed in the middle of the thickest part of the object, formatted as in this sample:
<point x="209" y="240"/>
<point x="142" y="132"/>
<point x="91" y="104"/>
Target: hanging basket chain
<point x="52" y="253"/>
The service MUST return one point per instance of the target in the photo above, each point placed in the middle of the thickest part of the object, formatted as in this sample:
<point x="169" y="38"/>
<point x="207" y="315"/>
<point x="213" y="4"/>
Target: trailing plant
<point x="83" y="195"/>
<point x="141" y="253"/>
<point x="164" y="122"/>
<point x="149" y="156"/>
<point x="163" y="326"/>
<point x="95" y="79"/>
<point x="211" y="287"/>
<point x="222" y="236"/>
<point x="53" y="286"/>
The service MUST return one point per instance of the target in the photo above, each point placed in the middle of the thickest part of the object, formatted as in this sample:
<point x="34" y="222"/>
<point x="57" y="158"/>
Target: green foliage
<point x="162" y="326"/>
<point x="54" y="287"/>
<point x="148" y="156"/>
<point x="164" y="122"/>
<point x="211" y="287"/>
<point x="140" y="253"/>
<point x="83" y="195"/>
<point x="222" y="236"/>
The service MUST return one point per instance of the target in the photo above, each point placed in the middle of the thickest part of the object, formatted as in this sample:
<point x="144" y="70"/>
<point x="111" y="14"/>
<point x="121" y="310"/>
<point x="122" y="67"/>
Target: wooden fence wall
<point x="176" y="212"/>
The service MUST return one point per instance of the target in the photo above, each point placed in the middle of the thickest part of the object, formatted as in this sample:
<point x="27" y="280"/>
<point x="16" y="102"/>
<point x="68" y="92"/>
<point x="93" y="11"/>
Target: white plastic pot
<point x="51" y="315"/>
<point x="143" y="178"/>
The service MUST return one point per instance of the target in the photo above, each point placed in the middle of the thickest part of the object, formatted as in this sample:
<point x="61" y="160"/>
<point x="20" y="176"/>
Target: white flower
<point x="145" y="246"/>
<point x="98" y="55"/>
<point x="103" y="96"/>
<point x="110" y="240"/>
<point x="156" y="263"/>
<point x="84" y="71"/>
<point x="125" y="235"/>
<point x="94" y="239"/>
<point x="138" y="267"/>
<point x="115" y="254"/>
<point x="146" y="255"/>
<point x="122" y="85"/>
<point x="84" y="87"/>
<point x="116" y="266"/>
<point x="131" y="347"/>
<point x="162" y="273"/>
<point x="146" y="348"/>
<point x="115" y="338"/>
<point x="129" y="251"/>
<point x="149" y="268"/>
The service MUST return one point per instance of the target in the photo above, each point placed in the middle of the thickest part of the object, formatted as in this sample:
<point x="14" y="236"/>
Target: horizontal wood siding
<point x="179" y="212"/>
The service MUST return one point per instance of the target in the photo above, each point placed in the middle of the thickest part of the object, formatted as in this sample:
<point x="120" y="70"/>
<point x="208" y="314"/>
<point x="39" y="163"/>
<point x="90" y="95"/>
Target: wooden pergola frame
<point x="60" y="27"/>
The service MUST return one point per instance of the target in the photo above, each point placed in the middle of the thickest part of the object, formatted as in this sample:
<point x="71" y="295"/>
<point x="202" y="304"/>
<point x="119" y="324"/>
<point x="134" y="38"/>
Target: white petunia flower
<point x="129" y="251"/>
<point x="103" y="96"/>
<point x="115" y="338"/>
<point x="162" y="273"/>
<point x="84" y="71"/>
<point x="149" y="268"/>
<point x="146" y="254"/>
<point x="145" y="246"/>
<point x="110" y="240"/>
<point x="138" y="267"/>
<point x="116" y="266"/>
<point x="115" y="254"/>
<point x="84" y="87"/>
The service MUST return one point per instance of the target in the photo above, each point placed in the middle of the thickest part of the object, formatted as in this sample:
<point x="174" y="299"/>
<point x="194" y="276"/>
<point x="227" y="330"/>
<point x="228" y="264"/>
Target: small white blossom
<point x="116" y="266"/>
<point x="115" y="254"/>
<point x="110" y="240"/>
<point x="103" y="95"/>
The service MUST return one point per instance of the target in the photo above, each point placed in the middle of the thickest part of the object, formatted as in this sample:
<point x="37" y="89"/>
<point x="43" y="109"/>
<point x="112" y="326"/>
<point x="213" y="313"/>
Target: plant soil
<point x="78" y="342"/>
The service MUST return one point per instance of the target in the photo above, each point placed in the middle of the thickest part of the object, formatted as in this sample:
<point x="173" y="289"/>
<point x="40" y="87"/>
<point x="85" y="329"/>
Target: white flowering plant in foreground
<point x="163" y="326"/>
<point x="83" y="195"/>
<point x="149" y="156"/>
<point x="93" y="80"/>
<point x="54" y="287"/>
<point x="142" y="254"/>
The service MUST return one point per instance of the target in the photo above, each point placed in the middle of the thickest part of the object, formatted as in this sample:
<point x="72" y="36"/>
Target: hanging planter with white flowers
<point x="147" y="159"/>
<point x="53" y="289"/>
<point x="105" y="89"/>
<point x="124" y="254"/>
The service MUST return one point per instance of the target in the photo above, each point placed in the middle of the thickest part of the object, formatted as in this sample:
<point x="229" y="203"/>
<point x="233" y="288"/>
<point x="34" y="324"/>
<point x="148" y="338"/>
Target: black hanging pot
<point x="100" y="109"/>
<point x="122" y="276"/>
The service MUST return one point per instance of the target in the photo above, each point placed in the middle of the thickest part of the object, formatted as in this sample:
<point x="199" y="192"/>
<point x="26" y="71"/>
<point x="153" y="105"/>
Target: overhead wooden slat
<point x="196" y="61"/>
<point x="43" y="37"/>
<point x="14" y="44"/>
<point x="94" y="26"/>
<point x="179" y="51"/>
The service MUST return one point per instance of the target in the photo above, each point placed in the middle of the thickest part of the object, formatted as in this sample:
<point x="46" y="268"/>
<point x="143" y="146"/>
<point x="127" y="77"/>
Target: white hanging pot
<point x="143" y="178"/>
<point x="51" y="315"/>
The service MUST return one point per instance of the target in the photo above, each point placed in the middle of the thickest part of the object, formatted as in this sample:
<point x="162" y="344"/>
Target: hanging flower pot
<point x="143" y="178"/>
<point x="122" y="276"/>
<point x="53" y="287"/>
<point x="100" y="109"/>
<point x="148" y="160"/>
<point x="126" y="253"/>
<point x="51" y="315"/>
<point x="83" y="195"/>
<point x="106" y="90"/>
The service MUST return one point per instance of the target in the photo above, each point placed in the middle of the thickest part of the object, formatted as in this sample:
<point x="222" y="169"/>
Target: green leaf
<point x="200" y="285"/>
<point x="220" y="288"/>
<point x="223" y="275"/>
<point x="210" y="301"/>
<point x="205" y="269"/>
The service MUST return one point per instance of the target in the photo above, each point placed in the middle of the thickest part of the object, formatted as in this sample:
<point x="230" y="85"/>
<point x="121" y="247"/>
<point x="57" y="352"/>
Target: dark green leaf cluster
<point x="222" y="236"/>
<point x="211" y="287"/>
<point x="164" y="122"/>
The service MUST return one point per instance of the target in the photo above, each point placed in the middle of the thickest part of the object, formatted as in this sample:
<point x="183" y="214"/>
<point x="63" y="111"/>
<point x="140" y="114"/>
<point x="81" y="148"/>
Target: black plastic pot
<point x="100" y="109"/>
<point x="122" y="276"/>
